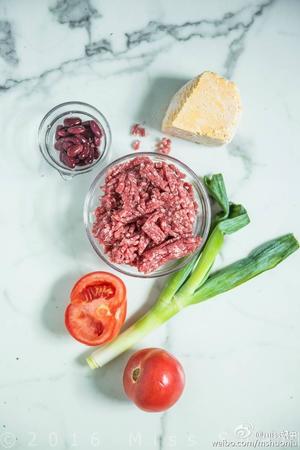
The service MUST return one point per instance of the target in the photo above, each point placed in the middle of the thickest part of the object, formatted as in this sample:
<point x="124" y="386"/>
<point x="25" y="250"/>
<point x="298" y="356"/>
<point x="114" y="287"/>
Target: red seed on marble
<point x="72" y="121"/>
<point x="134" y="129"/>
<point x="138" y="130"/>
<point x="136" y="144"/>
<point x="78" y="129"/>
<point x="142" y="132"/>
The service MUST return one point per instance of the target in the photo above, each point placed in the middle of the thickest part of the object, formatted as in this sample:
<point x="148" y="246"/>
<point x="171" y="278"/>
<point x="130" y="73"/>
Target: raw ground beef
<point x="146" y="215"/>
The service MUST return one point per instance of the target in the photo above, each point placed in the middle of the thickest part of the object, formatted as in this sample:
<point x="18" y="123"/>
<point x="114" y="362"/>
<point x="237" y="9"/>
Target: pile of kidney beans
<point x="78" y="142"/>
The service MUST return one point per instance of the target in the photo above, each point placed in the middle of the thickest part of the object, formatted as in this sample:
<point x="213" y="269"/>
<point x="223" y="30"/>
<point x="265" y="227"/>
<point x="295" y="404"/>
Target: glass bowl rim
<point x="63" y="170"/>
<point x="171" y="159"/>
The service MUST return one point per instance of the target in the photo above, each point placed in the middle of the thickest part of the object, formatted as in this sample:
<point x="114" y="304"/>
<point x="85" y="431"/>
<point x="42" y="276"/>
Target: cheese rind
<point x="206" y="110"/>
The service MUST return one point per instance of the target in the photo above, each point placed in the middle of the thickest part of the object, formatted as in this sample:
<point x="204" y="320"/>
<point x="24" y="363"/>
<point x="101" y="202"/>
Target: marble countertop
<point x="241" y="351"/>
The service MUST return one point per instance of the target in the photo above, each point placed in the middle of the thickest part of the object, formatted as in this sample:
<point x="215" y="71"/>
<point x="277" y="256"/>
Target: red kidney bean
<point x="65" y="159"/>
<point x="72" y="140"/>
<point x="85" y="152"/>
<point x="72" y="121"/>
<point x="62" y="132"/>
<point x="81" y="138"/>
<point x="97" y="141"/>
<point x="74" y="150"/>
<point x="58" y="144"/>
<point x="91" y="154"/>
<point x="95" y="128"/>
<point x="58" y="128"/>
<point x="78" y="129"/>
<point x="78" y="141"/>
<point x="88" y="133"/>
<point x="65" y="144"/>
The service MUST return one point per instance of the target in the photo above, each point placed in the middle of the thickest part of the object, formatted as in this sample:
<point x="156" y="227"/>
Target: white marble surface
<point x="240" y="351"/>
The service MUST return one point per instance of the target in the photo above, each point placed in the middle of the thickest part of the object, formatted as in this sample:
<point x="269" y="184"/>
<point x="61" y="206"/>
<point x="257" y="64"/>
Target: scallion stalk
<point x="264" y="258"/>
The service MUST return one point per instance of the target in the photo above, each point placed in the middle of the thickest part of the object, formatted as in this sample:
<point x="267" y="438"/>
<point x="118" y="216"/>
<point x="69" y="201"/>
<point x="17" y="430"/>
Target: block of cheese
<point x="206" y="110"/>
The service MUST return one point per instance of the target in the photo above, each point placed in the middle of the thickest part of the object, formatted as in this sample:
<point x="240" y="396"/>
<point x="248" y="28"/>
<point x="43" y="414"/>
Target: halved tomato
<point x="98" y="308"/>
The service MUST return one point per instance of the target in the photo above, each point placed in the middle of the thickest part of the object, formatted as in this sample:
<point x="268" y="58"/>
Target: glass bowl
<point x="46" y="135"/>
<point x="201" y="227"/>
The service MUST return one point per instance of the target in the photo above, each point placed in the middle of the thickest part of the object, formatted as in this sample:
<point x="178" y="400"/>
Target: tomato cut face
<point x="98" y="308"/>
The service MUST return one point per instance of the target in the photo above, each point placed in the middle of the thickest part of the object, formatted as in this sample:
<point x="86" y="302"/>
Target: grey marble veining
<point x="76" y="14"/>
<point x="7" y="43"/>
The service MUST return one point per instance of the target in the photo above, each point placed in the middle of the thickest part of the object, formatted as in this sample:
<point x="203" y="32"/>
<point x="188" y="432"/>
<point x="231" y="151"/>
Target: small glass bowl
<point x="202" y="223"/>
<point x="56" y="116"/>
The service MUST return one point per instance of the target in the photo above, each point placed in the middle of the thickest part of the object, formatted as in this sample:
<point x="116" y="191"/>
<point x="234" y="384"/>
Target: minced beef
<point x="146" y="215"/>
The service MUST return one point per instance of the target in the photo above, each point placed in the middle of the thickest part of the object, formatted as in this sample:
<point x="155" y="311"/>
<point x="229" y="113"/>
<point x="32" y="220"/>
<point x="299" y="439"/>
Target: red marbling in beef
<point x="146" y="215"/>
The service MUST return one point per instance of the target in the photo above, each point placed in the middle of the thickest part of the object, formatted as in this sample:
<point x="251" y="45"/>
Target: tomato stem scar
<point x="136" y="374"/>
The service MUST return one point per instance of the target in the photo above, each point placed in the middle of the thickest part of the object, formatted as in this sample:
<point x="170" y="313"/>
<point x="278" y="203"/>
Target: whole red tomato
<point x="153" y="379"/>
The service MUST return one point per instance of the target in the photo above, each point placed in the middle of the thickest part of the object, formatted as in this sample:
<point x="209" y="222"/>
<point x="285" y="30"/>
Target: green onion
<point x="194" y="283"/>
<point x="265" y="257"/>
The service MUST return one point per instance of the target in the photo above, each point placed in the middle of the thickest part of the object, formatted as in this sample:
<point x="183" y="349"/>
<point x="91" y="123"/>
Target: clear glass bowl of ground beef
<point x="147" y="215"/>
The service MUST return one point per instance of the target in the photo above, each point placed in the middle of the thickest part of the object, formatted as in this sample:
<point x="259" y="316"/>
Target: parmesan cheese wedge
<point x="206" y="110"/>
